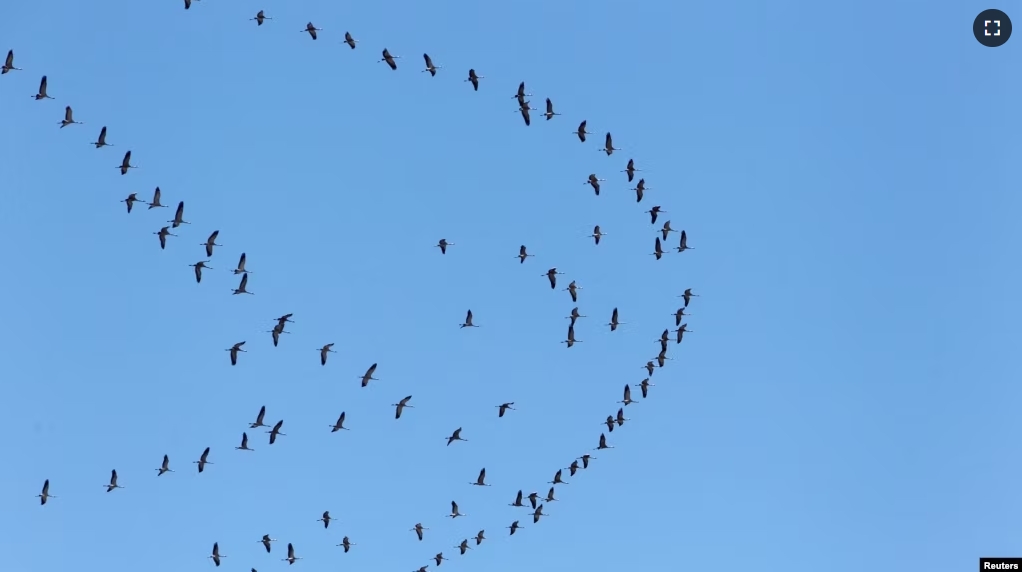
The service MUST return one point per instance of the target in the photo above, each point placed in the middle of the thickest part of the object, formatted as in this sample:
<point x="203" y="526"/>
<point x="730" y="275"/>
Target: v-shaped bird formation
<point x="404" y="407"/>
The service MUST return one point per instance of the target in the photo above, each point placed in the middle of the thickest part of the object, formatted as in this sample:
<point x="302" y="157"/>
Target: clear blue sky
<point x="847" y="392"/>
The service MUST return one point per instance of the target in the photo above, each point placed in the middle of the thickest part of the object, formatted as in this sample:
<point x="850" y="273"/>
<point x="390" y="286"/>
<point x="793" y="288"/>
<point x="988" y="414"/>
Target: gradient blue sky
<point x="844" y="172"/>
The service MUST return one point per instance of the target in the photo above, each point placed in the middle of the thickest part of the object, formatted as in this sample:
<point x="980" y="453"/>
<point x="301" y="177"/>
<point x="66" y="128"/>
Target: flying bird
<point x="389" y="59"/>
<point x="179" y="216"/>
<point x="658" y="250"/>
<point x="368" y="375"/>
<point x="557" y="479"/>
<point x="244" y="443"/>
<point x="574" y="315"/>
<point x="463" y="547"/>
<point x="157" y="194"/>
<point x="481" y="479"/>
<point x="573" y="289"/>
<point x="45" y="493"/>
<point x="276" y="431"/>
<point x="350" y="40"/>
<point x="163" y="233"/>
<point x="234" y="361"/>
<point x="653" y="212"/>
<point x="614" y="323"/>
<point x="101" y="140"/>
<point x="131" y="200"/>
<point x="681" y="331"/>
<point x="608" y="145"/>
<point x="480" y="537"/>
<point x="520" y="95"/>
<point x="503" y="407"/>
<point x="603" y="443"/>
<point x="455" y="513"/>
<point x="126" y="163"/>
<point x="688" y="295"/>
<point x="596" y="235"/>
<point x="571" y="337"/>
<point x="627" y="398"/>
<point x="202" y="462"/>
<point x="324" y="351"/>
<point x="666" y="230"/>
<point x="113" y="481"/>
<point x="644" y="386"/>
<point x="429" y="65"/>
<point x="275" y="333"/>
<point x="42" y="90"/>
<point x="266" y="540"/>
<point x="210" y="243"/>
<point x="259" y="18"/>
<point x="241" y="265"/>
<point x="456" y="436"/>
<point x="216" y="556"/>
<point x="326" y="519"/>
<point x="550" y="496"/>
<point x="439" y="558"/>
<point x="311" y="30"/>
<point x="538" y="513"/>
<point x="339" y="425"/>
<point x="630" y="170"/>
<point x="9" y="67"/>
<point x="165" y="467"/>
<point x="585" y="460"/>
<point x="347" y="544"/>
<point x="69" y="118"/>
<point x="443" y="244"/>
<point x="525" y="108"/>
<point x="550" y="110"/>
<point x="518" y="499"/>
<point x="418" y="528"/>
<point x="594" y="182"/>
<point x="683" y="243"/>
<point x="474" y="79"/>
<point x="620" y="419"/>
<point x="262" y="412"/>
<point x="640" y="190"/>
<point x="514" y="526"/>
<point x="400" y="406"/>
<point x="522" y="254"/>
<point x="468" y="321"/>
<point x="581" y="132"/>
<point x="291" y="558"/>
<point x="241" y="289"/>
<point x="552" y="276"/>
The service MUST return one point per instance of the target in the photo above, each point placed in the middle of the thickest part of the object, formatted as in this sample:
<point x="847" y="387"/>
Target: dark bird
<point x="518" y="499"/>
<point x="468" y="321"/>
<point x="480" y="537"/>
<point x="514" y="526"/>
<point x="113" y="482"/>
<point x="389" y="59"/>
<point x="571" y="337"/>
<point x="234" y="361"/>
<point x="368" y="375"/>
<point x="609" y="422"/>
<point x="241" y="289"/>
<point x="45" y="493"/>
<point x="266" y="540"/>
<point x="572" y="468"/>
<point x="350" y="40"/>
<point x="630" y="170"/>
<point x="666" y="230"/>
<point x="291" y="558"/>
<point x="550" y="495"/>
<point x="640" y="191"/>
<point x="163" y="233"/>
<point x="244" y="443"/>
<point x="442" y="245"/>
<point x="537" y="514"/>
<point x="323" y="351"/>
<point x="683" y="243"/>
<point x="661" y="358"/>
<point x="504" y="407"/>
<point x="596" y="235"/>
<point x="241" y="265"/>
<point x="520" y="95"/>
<point x="525" y="108"/>
<point x="157" y="194"/>
<point x="216" y="556"/>
<point x="522" y="254"/>
<point x="585" y="460"/>
<point x="202" y="462"/>
<point x="69" y="118"/>
<point x="455" y="513"/>
<point x="627" y="397"/>
<point x="573" y="289"/>
<point x="400" y="406"/>
<point x="550" y="110"/>
<point x="574" y="315"/>
<point x="594" y="183"/>
<point x="581" y="132"/>
<point x="165" y="467"/>
<point x="439" y="558"/>
<point x="653" y="212"/>
<point x="9" y="67"/>
<point x="557" y="479"/>
<point x="275" y="333"/>
<point x="326" y="519"/>
<point x="681" y="331"/>
<point x="649" y="367"/>
<point x="463" y="547"/>
<point x="262" y="410"/>
<point x="311" y="30"/>
<point x="658" y="250"/>
<point x="339" y="425"/>
<point x="533" y="499"/>
<point x="456" y="436"/>
<point x="131" y="200"/>
<point x="603" y="443"/>
<point x="620" y="419"/>
<point x="613" y="320"/>
<point x="101" y="140"/>
<point x="644" y="386"/>
<point x="188" y="5"/>
<point x="126" y="163"/>
<point x="259" y="18"/>
<point x="418" y="528"/>
<point x="608" y="145"/>
<point x="429" y="65"/>
<point x="42" y="90"/>
<point x="552" y="276"/>
<point x="179" y="216"/>
<point x="481" y="479"/>
<point x="276" y="432"/>
<point x="688" y="295"/>
<point x="474" y="79"/>
<point x="210" y="243"/>
<point x="347" y="544"/>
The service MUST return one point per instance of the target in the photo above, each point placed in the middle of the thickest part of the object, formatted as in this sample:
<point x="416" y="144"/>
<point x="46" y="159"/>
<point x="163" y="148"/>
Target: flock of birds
<point x="534" y="502"/>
